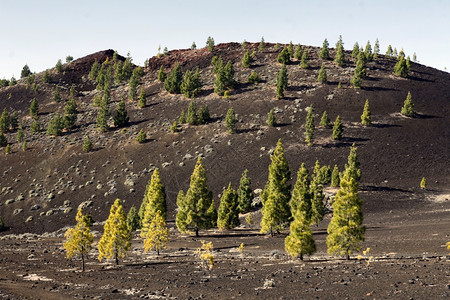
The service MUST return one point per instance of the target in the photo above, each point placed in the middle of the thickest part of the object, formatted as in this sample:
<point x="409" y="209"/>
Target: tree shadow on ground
<point x="374" y="188"/>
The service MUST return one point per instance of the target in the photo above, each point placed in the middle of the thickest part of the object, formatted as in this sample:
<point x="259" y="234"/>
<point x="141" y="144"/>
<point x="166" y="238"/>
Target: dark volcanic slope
<point x="40" y="189"/>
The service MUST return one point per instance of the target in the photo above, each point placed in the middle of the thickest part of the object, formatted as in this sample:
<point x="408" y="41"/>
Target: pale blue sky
<point x="41" y="32"/>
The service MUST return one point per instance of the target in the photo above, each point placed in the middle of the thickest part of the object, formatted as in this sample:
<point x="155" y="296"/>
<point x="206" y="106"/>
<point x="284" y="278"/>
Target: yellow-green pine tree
<point x="366" y="115"/>
<point x="300" y="240"/>
<point x="154" y="201"/>
<point x="115" y="241"/>
<point x="345" y="230"/>
<point x="79" y="239"/>
<point x="301" y="196"/>
<point x="228" y="214"/>
<point x="276" y="195"/>
<point x="157" y="234"/>
<point x="423" y="183"/>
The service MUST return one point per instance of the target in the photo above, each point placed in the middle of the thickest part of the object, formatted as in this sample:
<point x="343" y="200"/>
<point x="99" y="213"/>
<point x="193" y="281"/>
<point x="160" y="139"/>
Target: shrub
<point x="141" y="137"/>
<point x="87" y="144"/>
<point x="254" y="78"/>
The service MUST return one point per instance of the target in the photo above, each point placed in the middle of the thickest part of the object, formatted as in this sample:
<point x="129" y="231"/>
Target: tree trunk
<point x="301" y="256"/>
<point x="348" y="256"/>
<point x="117" y="259"/>
<point x="157" y="252"/>
<point x="271" y="231"/>
<point x="196" y="232"/>
<point x="82" y="262"/>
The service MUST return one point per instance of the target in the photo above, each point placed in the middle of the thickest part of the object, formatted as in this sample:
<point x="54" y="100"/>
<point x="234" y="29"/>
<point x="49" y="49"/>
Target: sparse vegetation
<point x="141" y="137"/>
<point x="366" y="115"/>
<point x="408" y="106"/>
<point x="423" y="183"/>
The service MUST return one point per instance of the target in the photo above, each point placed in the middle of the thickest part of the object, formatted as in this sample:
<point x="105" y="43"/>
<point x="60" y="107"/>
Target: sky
<point x="38" y="33"/>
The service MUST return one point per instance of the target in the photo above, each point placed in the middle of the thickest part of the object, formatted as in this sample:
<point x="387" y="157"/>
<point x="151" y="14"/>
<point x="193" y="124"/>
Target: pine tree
<point x="3" y="140"/>
<point x="324" y="52"/>
<point x="55" y="125"/>
<point x="228" y="213"/>
<point x="276" y="194"/>
<point x="309" y="127"/>
<point x="261" y="45"/>
<point x="4" y="121"/>
<point x="230" y="121"/>
<point x="141" y="137"/>
<point x="2" y="224"/>
<point x="132" y="84"/>
<point x="191" y="84"/>
<point x="304" y="62"/>
<point x="345" y="230"/>
<point x="401" y="68"/>
<point x="271" y="118"/>
<point x="282" y="82"/>
<point x="408" y="63"/>
<point x="338" y="129"/>
<point x="103" y="114"/>
<point x="121" y="118"/>
<point x="284" y="57"/>
<point x="335" y="178"/>
<point x="298" y="52"/>
<point x="325" y="120"/>
<point x="191" y="117"/>
<point x="246" y="60"/>
<point x="366" y="115"/>
<point x="172" y="83"/>
<point x="79" y="239"/>
<point x="87" y="144"/>
<point x="154" y="201"/>
<point x="59" y="66"/>
<point x="142" y="99"/>
<point x="70" y="114"/>
<point x="394" y="53"/>
<point x="157" y="234"/>
<point x="133" y="222"/>
<point x="193" y="46"/>
<point x="245" y="193"/>
<point x="322" y="78"/>
<point x="290" y="49"/>
<point x="25" y="72"/>
<point x="20" y="135"/>
<point x="339" y="59"/>
<point x="355" y="51"/>
<point x="8" y="149"/>
<point x="301" y="196"/>
<point x="34" y="109"/>
<point x="115" y="241"/>
<point x="210" y="44"/>
<point x="203" y="115"/>
<point x="161" y="74"/>
<point x="376" y="49"/>
<point x="360" y="70"/>
<point x="57" y="95"/>
<point x="253" y="78"/>
<point x="317" y="206"/>
<point x="408" y="106"/>
<point x="368" y="52"/>
<point x="35" y="126"/>
<point x="389" y="51"/>
<point x="423" y="183"/>
<point x="196" y="209"/>
<point x="46" y="77"/>
<point x="414" y="57"/>
<point x="300" y="240"/>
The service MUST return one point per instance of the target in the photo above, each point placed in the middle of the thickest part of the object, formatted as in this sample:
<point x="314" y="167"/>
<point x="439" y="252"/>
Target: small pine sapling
<point x="141" y="137"/>
<point x="338" y="129"/>
<point x="366" y="115"/>
<point x="325" y="120"/>
<point x="423" y="183"/>
<point x="271" y="118"/>
<point x="408" y="106"/>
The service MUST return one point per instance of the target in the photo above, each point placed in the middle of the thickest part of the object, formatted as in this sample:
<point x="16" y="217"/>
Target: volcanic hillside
<point x="42" y="187"/>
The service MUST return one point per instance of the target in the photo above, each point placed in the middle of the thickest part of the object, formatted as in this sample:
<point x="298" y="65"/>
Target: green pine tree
<point x="355" y="51"/>
<point x="57" y="95"/>
<point x="324" y="52"/>
<point x="271" y="118"/>
<point x="133" y="222"/>
<point x="401" y="68"/>
<point x="339" y="59"/>
<point x="261" y="45"/>
<point x="55" y="125"/>
<point x="338" y="129"/>
<point x="228" y="213"/>
<point x="196" y="209"/>
<point x="154" y="201"/>
<point x="192" y="117"/>
<point x="172" y="83"/>
<point x="230" y="121"/>
<point x="335" y="178"/>
<point x="70" y="114"/>
<point x="245" y="193"/>
<point x="246" y="60"/>
<point x="161" y="74"/>
<point x="116" y="238"/>
<point x="284" y="56"/>
<point x="121" y="118"/>
<point x="276" y="194"/>
<point x="300" y="240"/>
<point x="210" y="44"/>
<point x="423" y="183"/>
<point x="4" y="121"/>
<point x="389" y="51"/>
<point x="317" y="206"/>
<point x="368" y="52"/>
<point x="322" y="78"/>
<point x="408" y="106"/>
<point x="87" y="144"/>
<point x="360" y="70"/>
<point x="59" y="66"/>
<point x="376" y="49"/>
<point x="79" y="239"/>
<point x="353" y="166"/>
<point x="34" y="109"/>
<point x="366" y="115"/>
<point x="290" y="49"/>
<point x="309" y="127"/>
<point x="3" y="140"/>
<point x="345" y="230"/>
<point x="325" y="120"/>
<point x="282" y="82"/>
<point x="142" y="99"/>
<point x="304" y="62"/>
<point x="141" y="137"/>
<point x="301" y="196"/>
<point x="298" y="52"/>
<point x="103" y="114"/>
